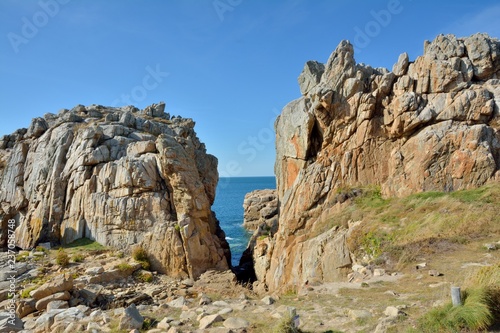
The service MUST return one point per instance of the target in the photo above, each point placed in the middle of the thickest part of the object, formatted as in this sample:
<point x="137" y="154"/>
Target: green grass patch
<point x="473" y="315"/>
<point x="26" y="292"/>
<point x="85" y="244"/>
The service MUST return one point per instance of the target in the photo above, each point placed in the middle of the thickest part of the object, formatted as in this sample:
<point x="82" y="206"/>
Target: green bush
<point x="140" y="255"/>
<point x="26" y="292"/>
<point x="123" y="267"/>
<point x="62" y="258"/>
<point x="78" y="257"/>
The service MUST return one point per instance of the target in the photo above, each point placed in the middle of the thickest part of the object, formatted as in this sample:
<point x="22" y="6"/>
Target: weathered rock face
<point x="431" y="124"/>
<point x="120" y="176"/>
<point x="260" y="210"/>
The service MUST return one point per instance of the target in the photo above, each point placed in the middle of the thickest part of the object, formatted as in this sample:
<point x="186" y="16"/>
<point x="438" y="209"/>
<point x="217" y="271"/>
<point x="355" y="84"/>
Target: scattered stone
<point x="204" y="300"/>
<point x="421" y="265"/>
<point x="268" y="300"/>
<point x="434" y="272"/>
<point x="178" y="302"/>
<point x="491" y="246"/>
<point x="391" y="311"/>
<point x="60" y="296"/>
<point x="94" y="270"/>
<point x="236" y="323"/>
<point x="359" y="314"/>
<point x="220" y="304"/>
<point x="225" y="311"/>
<point x="378" y="272"/>
<point x="131" y="318"/>
<point x="25" y="307"/>
<point x="57" y="305"/>
<point x="14" y="324"/>
<point x="208" y="321"/>
<point x="164" y="323"/>
<point x="55" y="286"/>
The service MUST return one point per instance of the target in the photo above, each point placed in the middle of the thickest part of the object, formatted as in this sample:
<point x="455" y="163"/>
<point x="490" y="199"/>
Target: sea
<point x="228" y="207"/>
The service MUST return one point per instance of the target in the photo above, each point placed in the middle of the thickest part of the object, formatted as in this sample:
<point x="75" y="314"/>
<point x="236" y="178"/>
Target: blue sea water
<point x="228" y="207"/>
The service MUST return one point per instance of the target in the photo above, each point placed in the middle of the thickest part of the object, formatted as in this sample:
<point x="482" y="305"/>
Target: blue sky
<point x="231" y="65"/>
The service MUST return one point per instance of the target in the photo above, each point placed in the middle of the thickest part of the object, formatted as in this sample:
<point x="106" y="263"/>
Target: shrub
<point x="62" y="258"/>
<point x="78" y="258"/>
<point x="123" y="267"/>
<point x="26" y="292"/>
<point x="144" y="276"/>
<point x="41" y="249"/>
<point x="140" y="255"/>
<point x="286" y="325"/>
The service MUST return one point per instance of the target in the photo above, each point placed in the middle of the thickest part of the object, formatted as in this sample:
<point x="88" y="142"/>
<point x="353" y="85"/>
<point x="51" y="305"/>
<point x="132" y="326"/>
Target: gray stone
<point x="90" y="292"/>
<point x="11" y="322"/>
<point x="164" y="324"/>
<point x="208" y="321"/>
<point x="131" y="318"/>
<point x="57" y="305"/>
<point x="400" y="67"/>
<point x="268" y="300"/>
<point x="359" y="314"/>
<point x="60" y="296"/>
<point x="94" y="270"/>
<point x="236" y="323"/>
<point x="310" y="76"/>
<point x="178" y="302"/>
<point x="69" y="315"/>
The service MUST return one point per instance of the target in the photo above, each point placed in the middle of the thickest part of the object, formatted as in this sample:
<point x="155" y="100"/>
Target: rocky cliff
<point x="429" y="124"/>
<point x="121" y="176"/>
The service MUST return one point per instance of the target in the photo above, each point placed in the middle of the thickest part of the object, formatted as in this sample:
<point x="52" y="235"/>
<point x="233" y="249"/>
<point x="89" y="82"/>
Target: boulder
<point x="53" y="287"/>
<point x="131" y="319"/>
<point x="236" y="323"/>
<point x="41" y="304"/>
<point x="208" y="321"/>
<point x="10" y="322"/>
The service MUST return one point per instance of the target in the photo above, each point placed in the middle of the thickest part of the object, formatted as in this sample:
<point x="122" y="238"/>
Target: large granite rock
<point x="431" y="124"/>
<point x="120" y="176"/>
<point x="260" y="210"/>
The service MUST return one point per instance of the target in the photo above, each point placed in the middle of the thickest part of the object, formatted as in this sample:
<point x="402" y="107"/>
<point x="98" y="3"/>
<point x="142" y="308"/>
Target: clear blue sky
<point x="231" y="65"/>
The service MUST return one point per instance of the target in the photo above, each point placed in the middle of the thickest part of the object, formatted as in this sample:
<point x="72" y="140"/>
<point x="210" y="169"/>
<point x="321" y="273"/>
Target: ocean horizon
<point x="228" y="207"/>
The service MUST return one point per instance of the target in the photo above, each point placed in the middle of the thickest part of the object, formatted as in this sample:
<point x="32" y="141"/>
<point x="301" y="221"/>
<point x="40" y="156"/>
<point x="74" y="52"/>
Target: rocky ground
<point x="109" y="292"/>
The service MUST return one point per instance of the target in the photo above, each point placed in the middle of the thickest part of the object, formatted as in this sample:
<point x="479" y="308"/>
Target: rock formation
<point x="260" y="210"/>
<point x="430" y="124"/>
<point x="121" y="176"/>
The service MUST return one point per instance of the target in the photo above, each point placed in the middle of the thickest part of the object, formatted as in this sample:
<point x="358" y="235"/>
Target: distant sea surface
<point x="228" y="207"/>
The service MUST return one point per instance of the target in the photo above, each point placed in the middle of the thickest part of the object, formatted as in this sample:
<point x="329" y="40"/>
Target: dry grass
<point x="421" y="221"/>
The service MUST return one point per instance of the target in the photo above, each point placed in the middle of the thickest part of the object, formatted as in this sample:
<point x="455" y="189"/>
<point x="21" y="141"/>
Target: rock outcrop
<point x="121" y="176"/>
<point x="260" y="210"/>
<point x="430" y="124"/>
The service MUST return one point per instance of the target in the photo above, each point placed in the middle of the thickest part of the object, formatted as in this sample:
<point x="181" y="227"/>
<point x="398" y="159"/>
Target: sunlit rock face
<point x="430" y="124"/>
<point x="120" y="176"/>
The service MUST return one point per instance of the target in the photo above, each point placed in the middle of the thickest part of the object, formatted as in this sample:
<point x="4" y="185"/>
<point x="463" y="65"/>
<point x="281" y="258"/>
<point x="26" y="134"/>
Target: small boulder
<point x="131" y="319"/>
<point x="60" y="296"/>
<point x="236" y="323"/>
<point x="268" y="300"/>
<point x="208" y="321"/>
<point x="57" y="305"/>
<point x="52" y="287"/>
